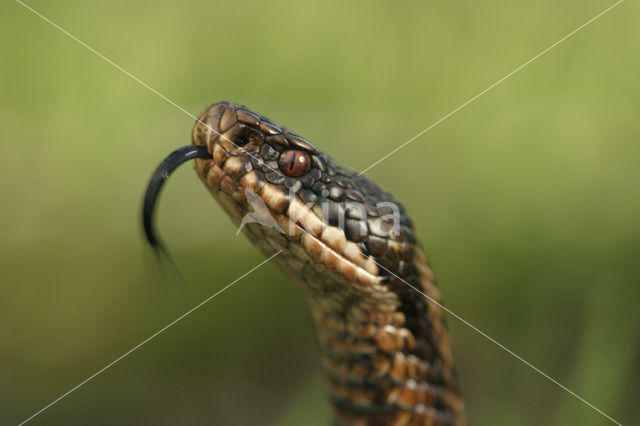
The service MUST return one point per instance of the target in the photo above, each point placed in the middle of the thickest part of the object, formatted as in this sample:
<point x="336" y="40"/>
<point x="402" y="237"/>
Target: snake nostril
<point x="243" y="135"/>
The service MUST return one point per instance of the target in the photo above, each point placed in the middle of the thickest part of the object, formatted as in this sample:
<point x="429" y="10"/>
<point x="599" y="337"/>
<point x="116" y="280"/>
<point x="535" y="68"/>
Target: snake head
<point x="328" y="216"/>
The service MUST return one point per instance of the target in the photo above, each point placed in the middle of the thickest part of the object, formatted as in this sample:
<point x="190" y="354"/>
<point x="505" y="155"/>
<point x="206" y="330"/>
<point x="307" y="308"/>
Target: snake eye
<point x="294" y="162"/>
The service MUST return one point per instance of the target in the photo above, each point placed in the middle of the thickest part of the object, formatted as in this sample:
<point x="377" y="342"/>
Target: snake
<point x="351" y="249"/>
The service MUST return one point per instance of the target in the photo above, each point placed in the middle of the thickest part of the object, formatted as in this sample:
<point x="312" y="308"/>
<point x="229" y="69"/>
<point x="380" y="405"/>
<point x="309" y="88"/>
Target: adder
<point x="351" y="249"/>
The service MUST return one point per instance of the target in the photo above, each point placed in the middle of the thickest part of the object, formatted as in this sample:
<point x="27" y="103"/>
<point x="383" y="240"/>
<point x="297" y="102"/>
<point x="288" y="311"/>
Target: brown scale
<point x="384" y="346"/>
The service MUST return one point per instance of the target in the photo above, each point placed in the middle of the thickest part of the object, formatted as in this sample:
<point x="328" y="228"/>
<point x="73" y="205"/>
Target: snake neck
<point x="385" y="351"/>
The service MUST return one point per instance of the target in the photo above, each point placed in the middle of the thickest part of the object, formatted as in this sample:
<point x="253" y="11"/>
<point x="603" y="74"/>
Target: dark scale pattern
<point x="384" y="345"/>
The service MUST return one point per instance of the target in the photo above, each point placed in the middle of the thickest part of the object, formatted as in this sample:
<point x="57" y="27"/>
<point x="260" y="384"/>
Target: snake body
<point x="384" y="346"/>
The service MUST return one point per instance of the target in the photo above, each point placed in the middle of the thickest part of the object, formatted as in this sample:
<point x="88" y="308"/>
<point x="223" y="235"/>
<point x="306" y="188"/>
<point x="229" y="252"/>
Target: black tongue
<point x="159" y="177"/>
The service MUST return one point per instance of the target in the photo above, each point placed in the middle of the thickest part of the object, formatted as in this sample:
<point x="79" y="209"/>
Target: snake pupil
<point x="293" y="159"/>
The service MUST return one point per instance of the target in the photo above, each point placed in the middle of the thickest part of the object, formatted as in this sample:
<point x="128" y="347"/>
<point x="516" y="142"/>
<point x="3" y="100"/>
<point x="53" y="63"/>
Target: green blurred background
<point x="526" y="201"/>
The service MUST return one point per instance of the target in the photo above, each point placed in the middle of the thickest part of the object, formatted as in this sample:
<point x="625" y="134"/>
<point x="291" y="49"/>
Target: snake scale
<point x="351" y="249"/>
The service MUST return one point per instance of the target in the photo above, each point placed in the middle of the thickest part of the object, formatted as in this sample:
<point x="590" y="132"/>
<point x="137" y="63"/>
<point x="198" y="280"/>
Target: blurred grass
<point x="526" y="200"/>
